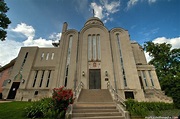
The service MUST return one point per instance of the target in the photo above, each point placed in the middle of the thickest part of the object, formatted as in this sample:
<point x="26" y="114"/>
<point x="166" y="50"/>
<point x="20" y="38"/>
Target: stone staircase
<point x="95" y="104"/>
<point x="157" y="95"/>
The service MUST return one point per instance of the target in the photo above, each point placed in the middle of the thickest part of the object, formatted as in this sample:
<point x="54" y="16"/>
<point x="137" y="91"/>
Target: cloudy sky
<point x="38" y="22"/>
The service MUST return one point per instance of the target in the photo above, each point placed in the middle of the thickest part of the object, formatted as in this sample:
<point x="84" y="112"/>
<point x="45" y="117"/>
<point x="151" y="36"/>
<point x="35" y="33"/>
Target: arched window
<point x="89" y="47"/>
<point x="68" y="59"/>
<point x="94" y="47"/>
<point x="121" y="59"/>
<point x="98" y="47"/>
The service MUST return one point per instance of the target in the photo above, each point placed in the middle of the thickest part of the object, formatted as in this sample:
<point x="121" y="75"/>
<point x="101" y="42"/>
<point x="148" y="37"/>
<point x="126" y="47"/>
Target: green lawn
<point x="13" y="110"/>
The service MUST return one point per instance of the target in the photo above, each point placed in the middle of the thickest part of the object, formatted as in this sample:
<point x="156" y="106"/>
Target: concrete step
<point x="84" y="105"/>
<point x="95" y="104"/>
<point x="94" y="110"/>
<point x="105" y="110"/>
<point x="101" y="117"/>
<point x="95" y="95"/>
<point x="96" y="114"/>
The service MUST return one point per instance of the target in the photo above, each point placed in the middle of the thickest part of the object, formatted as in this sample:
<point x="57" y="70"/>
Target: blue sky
<point x="38" y="22"/>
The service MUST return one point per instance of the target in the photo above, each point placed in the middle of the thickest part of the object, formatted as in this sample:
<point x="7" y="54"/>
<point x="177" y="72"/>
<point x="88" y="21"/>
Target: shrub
<point x="145" y="108"/>
<point x="62" y="98"/>
<point x="39" y="109"/>
<point x="54" y="107"/>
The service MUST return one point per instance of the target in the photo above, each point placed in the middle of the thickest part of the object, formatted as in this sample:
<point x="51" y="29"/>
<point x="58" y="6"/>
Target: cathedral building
<point x="93" y="56"/>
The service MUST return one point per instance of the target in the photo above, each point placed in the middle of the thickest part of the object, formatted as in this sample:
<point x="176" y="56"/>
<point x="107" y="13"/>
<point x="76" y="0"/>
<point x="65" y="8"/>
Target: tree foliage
<point x="167" y="63"/>
<point x="4" y="20"/>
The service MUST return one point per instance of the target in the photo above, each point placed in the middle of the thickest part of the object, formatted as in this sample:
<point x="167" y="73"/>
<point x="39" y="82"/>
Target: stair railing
<point x="162" y="93"/>
<point x="116" y="97"/>
<point x="78" y="90"/>
<point x="76" y="93"/>
<point x="119" y="101"/>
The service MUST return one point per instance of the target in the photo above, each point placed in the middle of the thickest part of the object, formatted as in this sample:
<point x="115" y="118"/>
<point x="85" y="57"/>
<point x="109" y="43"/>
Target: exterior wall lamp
<point x="22" y="80"/>
<point x="106" y="73"/>
<point x="83" y="73"/>
<point x="9" y="80"/>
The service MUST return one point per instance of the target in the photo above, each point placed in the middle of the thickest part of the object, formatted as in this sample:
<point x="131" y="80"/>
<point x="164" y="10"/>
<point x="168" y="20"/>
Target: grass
<point x="164" y="113"/>
<point x="174" y="112"/>
<point x="13" y="110"/>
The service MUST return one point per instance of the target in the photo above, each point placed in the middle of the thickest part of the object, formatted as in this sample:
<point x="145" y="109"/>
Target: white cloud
<point x="9" y="51"/>
<point x="105" y="9"/>
<point x="131" y="3"/>
<point x="37" y="42"/>
<point x="55" y="36"/>
<point x="98" y="10"/>
<point x="10" y="48"/>
<point x="111" y="7"/>
<point x="148" y="58"/>
<point x="152" y="1"/>
<point x="175" y="42"/>
<point x="25" y="30"/>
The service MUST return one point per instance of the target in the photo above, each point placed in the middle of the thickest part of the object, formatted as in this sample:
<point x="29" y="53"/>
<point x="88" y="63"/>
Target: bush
<point x="145" y="108"/>
<point x="54" y="107"/>
<point x="39" y="109"/>
<point x="62" y="98"/>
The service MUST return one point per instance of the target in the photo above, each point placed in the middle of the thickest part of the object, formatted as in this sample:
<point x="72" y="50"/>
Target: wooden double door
<point x="94" y="79"/>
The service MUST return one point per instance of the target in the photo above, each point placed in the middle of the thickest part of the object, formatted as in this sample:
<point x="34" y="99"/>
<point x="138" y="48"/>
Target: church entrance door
<point x="94" y="79"/>
<point x="13" y="90"/>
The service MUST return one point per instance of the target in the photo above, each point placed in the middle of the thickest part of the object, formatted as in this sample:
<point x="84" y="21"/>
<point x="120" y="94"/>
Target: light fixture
<point x="22" y="80"/>
<point x="106" y="73"/>
<point x="83" y="73"/>
<point x="9" y="80"/>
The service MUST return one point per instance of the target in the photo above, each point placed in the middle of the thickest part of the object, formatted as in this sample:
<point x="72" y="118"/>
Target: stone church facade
<point x="94" y="56"/>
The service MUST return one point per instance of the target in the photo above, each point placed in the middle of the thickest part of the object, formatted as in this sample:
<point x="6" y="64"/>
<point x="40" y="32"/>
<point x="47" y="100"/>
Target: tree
<point x="167" y="64"/>
<point x="4" y="20"/>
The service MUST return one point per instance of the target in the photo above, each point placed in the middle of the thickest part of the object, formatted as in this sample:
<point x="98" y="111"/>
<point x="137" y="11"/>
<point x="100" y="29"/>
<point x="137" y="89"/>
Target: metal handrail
<point x="76" y="93"/>
<point x="78" y="90"/>
<point x="117" y="98"/>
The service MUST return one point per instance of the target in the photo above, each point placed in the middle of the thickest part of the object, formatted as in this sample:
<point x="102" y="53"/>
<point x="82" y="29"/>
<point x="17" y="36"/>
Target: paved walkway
<point x="1" y="101"/>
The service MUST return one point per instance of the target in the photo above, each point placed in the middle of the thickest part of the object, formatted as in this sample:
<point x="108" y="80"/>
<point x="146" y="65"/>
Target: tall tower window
<point x="49" y="75"/>
<point x="144" y="77"/>
<point x="47" y="56"/>
<point x="42" y="76"/>
<point x="24" y="61"/>
<point x="68" y="59"/>
<point x="35" y="78"/>
<point x="121" y="60"/>
<point x="42" y="56"/>
<point x="52" y="56"/>
<point x="94" y="47"/>
<point x="99" y="47"/>
<point x="89" y="47"/>
<point x="151" y="78"/>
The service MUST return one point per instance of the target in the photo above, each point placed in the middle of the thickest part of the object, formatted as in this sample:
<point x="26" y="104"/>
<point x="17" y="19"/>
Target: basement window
<point x="129" y="95"/>
<point x="36" y="93"/>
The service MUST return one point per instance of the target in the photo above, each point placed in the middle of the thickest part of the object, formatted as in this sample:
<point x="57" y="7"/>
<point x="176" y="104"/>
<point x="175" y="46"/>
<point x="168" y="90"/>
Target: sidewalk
<point x="4" y="101"/>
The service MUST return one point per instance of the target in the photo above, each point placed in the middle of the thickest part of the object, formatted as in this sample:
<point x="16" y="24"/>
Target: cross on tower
<point x="93" y="13"/>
